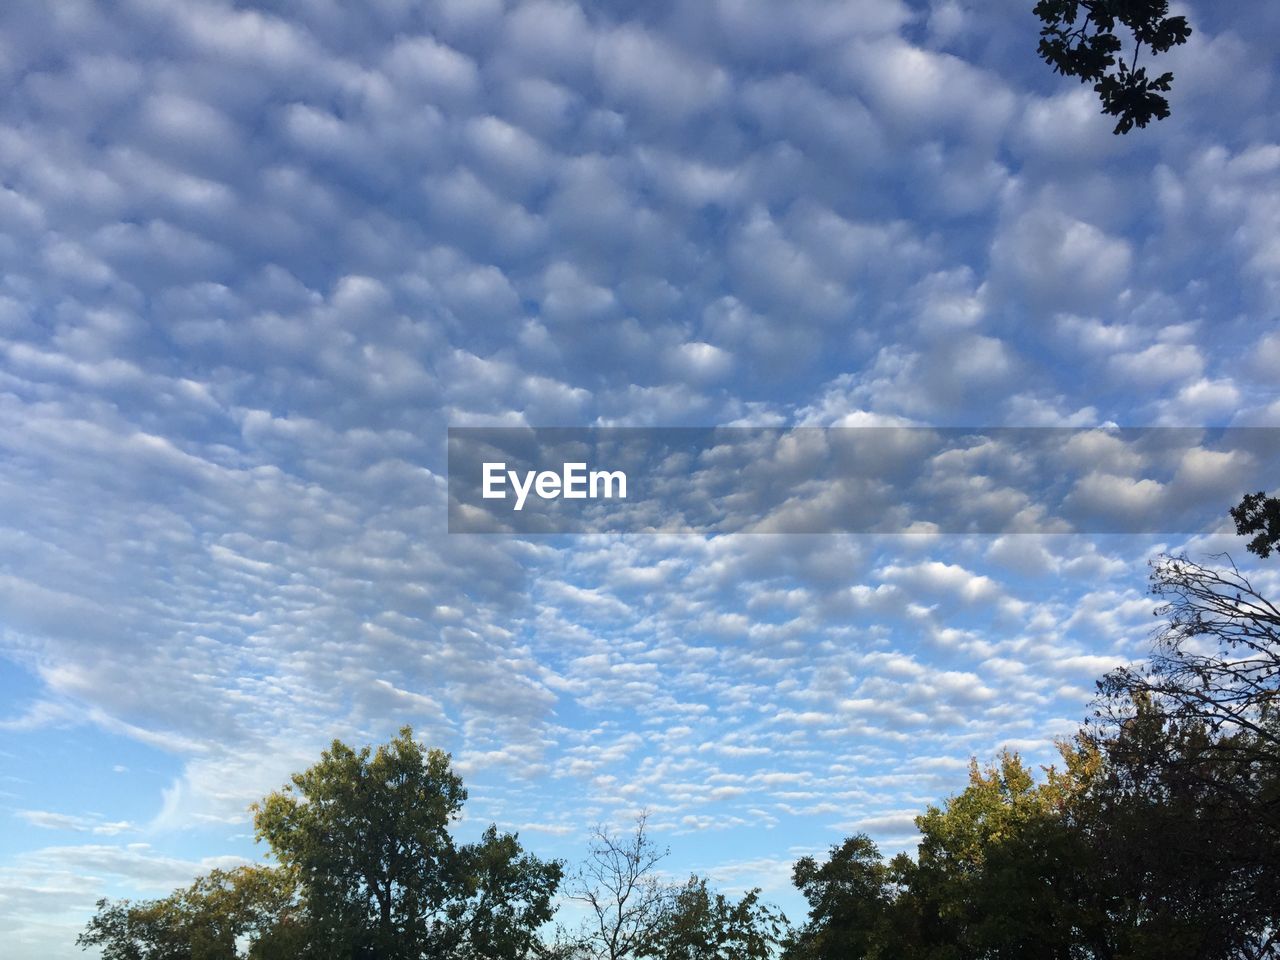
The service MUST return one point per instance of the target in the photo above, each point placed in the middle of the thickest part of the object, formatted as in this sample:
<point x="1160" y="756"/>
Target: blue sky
<point x="257" y="259"/>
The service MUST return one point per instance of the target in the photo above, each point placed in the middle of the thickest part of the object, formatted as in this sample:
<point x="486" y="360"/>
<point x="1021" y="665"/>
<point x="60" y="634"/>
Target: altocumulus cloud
<point x="259" y="256"/>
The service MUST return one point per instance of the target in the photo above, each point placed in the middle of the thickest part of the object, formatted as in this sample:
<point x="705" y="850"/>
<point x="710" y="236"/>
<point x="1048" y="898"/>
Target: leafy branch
<point x="1088" y="47"/>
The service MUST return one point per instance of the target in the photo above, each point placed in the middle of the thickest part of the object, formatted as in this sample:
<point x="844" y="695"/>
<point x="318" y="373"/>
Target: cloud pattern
<point x="257" y="258"/>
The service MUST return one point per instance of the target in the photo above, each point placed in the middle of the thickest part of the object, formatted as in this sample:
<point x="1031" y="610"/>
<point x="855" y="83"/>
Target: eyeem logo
<point x="573" y="482"/>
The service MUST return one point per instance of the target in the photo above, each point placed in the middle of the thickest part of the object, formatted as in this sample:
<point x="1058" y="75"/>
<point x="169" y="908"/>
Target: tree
<point x="511" y="899"/>
<point x="1215" y="661"/>
<point x="209" y="920"/>
<point x="1181" y="866"/>
<point x="626" y="902"/>
<point x="701" y="925"/>
<point x="997" y="867"/>
<point x="849" y="896"/>
<point x="995" y="876"/>
<point x="368" y="871"/>
<point x="367" y="834"/>
<point x="1090" y="49"/>
<point x="633" y="913"/>
<point x="1198" y="724"/>
<point x="1259" y="514"/>
<point x="1115" y="855"/>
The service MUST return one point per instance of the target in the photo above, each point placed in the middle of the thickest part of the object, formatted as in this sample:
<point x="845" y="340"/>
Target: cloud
<point x="258" y="259"/>
<point x="1055" y="259"/>
<point x="48" y="820"/>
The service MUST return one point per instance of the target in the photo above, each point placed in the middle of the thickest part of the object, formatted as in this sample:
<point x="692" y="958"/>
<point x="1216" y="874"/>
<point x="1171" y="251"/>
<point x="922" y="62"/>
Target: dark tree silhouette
<point x="1216" y="657"/>
<point x="1259" y="514"/>
<point x="1079" y="39"/>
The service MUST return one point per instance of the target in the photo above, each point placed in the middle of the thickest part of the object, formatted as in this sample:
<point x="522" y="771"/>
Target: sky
<point x="257" y="258"/>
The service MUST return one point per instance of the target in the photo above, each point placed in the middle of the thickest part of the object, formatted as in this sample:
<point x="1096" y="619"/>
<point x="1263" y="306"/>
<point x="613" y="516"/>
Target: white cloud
<point x="256" y="262"/>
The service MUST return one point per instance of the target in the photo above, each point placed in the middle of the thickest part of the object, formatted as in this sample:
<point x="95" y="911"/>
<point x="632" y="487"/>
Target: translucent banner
<point x="715" y="480"/>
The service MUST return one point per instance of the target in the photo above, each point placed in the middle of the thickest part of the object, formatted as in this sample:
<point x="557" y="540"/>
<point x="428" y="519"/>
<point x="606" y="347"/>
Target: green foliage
<point x="1012" y="867"/>
<point x="369" y="871"/>
<point x="367" y="833"/>
<point x="848" y="897"/>
<point x="1157" y="838"/>
<point x="1189" y="868"/>
<point x="632" y="913"/>
<point x="1195" y="760"/>
<point x="205" y="921"/>
<point x="1125" y="852"/>
<point x="1089" y="48"/>
<point x="511" y="897"/>
<point x="702" y="925"/>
